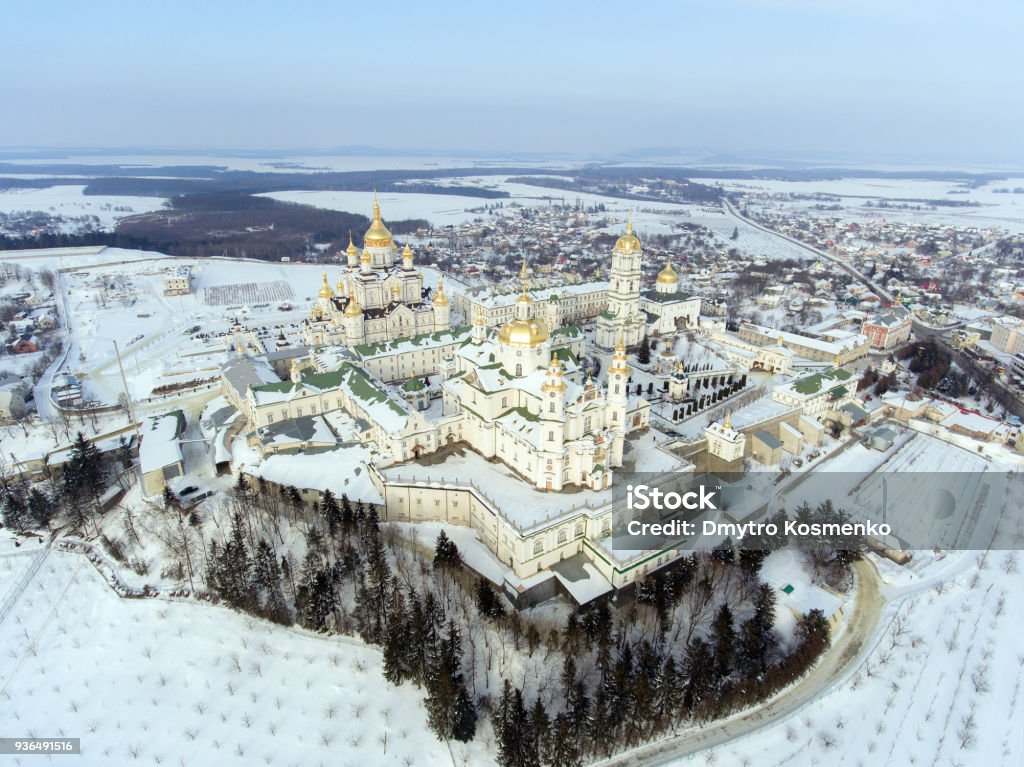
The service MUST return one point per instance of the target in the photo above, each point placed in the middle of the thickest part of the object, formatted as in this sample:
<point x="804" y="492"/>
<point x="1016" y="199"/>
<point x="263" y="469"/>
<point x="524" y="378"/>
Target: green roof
<point x="565" y="355"/>
<point x="423" y="339"/>
<point x="813" y="384"/>
<point x="359" y="382"/>
<point x="317" y="380"/>
<point x="413" y="384"/>
<point x="570" y="330"/>
<point x="363" y="387"/>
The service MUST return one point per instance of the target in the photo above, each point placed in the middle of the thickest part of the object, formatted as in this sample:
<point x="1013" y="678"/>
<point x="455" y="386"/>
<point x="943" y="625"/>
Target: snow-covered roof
<point x="160" y="446"/>
<point x="342" y="470"/>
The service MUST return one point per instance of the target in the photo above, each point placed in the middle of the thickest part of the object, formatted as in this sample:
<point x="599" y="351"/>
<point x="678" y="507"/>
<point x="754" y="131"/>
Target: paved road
<point x="922" y="329"/>
<point x="851" y="645"/>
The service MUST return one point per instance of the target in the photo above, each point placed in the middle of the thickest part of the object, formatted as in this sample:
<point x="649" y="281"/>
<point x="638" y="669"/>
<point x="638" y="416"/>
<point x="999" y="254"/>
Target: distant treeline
<point x="611" y="183"/>
<point x="229" y="225"/>
<point x="172" y="181"/>
<point x="88" y="239"/>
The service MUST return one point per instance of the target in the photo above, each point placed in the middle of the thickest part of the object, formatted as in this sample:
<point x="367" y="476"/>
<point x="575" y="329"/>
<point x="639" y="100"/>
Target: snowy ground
<point x="68" y="201"/>
<point x="997" y="209"/>
<point x="164" y="682"/>
<point x="940" y="686"/>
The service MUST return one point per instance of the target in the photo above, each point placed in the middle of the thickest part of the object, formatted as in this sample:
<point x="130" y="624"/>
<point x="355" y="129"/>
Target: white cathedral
<point x="516" y="394"/>
<point x="375" y="299"/>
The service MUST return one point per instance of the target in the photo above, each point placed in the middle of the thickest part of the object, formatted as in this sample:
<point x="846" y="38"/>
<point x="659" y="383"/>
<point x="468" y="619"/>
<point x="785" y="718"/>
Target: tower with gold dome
<point x="524" y="342"/>
<point x="623" y="319"/>
<point x="379" y="296"/>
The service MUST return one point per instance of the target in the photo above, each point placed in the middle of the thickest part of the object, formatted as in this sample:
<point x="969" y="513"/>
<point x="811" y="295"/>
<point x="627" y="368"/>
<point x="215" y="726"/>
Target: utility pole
<point x="127" y="396"/>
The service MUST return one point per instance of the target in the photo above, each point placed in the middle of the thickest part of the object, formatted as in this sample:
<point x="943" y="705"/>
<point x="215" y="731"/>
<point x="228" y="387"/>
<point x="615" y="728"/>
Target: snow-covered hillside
<point x="940" y="686"/>
<point x="151" y="681"/>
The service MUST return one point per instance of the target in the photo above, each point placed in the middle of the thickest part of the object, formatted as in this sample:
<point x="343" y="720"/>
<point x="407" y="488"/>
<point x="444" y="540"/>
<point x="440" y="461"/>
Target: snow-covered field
<point x="997" y="209"/>
<point x="941" y="684"/>
<point x="67" y="200"/>
<point x="151" y="681"/>
<point x="438" y="209"/>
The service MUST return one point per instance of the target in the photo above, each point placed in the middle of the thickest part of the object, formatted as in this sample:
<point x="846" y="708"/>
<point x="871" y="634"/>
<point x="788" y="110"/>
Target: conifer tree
<point x="723" y="640"/>
<point x="463" y="716"/>
<point x="446" y="553"/>
<point x="487" y="601"/>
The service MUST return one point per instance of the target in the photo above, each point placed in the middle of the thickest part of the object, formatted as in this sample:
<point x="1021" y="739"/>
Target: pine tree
<point x="40" y="507"/>
<point x="643" y="355"/>
<point x="698" y="664"/>
<point x="332" y="514"/>
<point x="562" y="748"/>
<point x="723" y="640"/>
<point x="464" y="716"/>
<point x="372" y="592"/>
<point x="267" y="576"/>
<point x="443" y="681"/>
<point x="487" y="601"/>
<point x="446" y="553"/>
<point x="601" y="724"/>
<point x="348" y="517"/>
<point x="539" y="726"/>
<point x="757" y="633"/>
<point x="668" y="693"/>
<point x="396" y="636"/>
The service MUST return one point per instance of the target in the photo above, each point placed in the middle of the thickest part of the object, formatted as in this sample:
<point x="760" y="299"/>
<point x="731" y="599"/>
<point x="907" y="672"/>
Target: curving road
<point x="850" y="646"/>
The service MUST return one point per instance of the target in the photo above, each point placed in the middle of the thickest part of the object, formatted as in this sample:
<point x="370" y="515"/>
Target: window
<point x="562" y="536"/>
<point x="579" y="529"/>
<point x="519" y="369"/>
<point x="606" y="528"/>
<point x="538" y="547"/>
<point x="298" y="412"/>
<point x="504" y="401"/>
<point x="551" y="407"/>
<point x="551" y="435"/>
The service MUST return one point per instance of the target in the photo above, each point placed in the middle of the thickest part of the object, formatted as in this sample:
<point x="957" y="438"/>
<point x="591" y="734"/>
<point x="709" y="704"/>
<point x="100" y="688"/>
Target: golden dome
<point x="353" y="309"/>
<point x="668" y="276"/>
<point x="619" y="364"/>
<point x="325" y="289"/>
<point x="378" y="235"/>
<point x="523" y="333"/>
<point x="440" y="299"/>
<point x="407" y="252"/>
<point x="340" y="286"/>
<point x="351" y="251"/>
<point x="628" y="243"/>
<point x="365" y="258"/>
<point x="555" y="369"/>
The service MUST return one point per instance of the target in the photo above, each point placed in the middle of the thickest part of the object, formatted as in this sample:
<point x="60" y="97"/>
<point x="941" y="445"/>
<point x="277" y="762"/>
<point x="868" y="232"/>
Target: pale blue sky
<point x="871" y="78"/>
